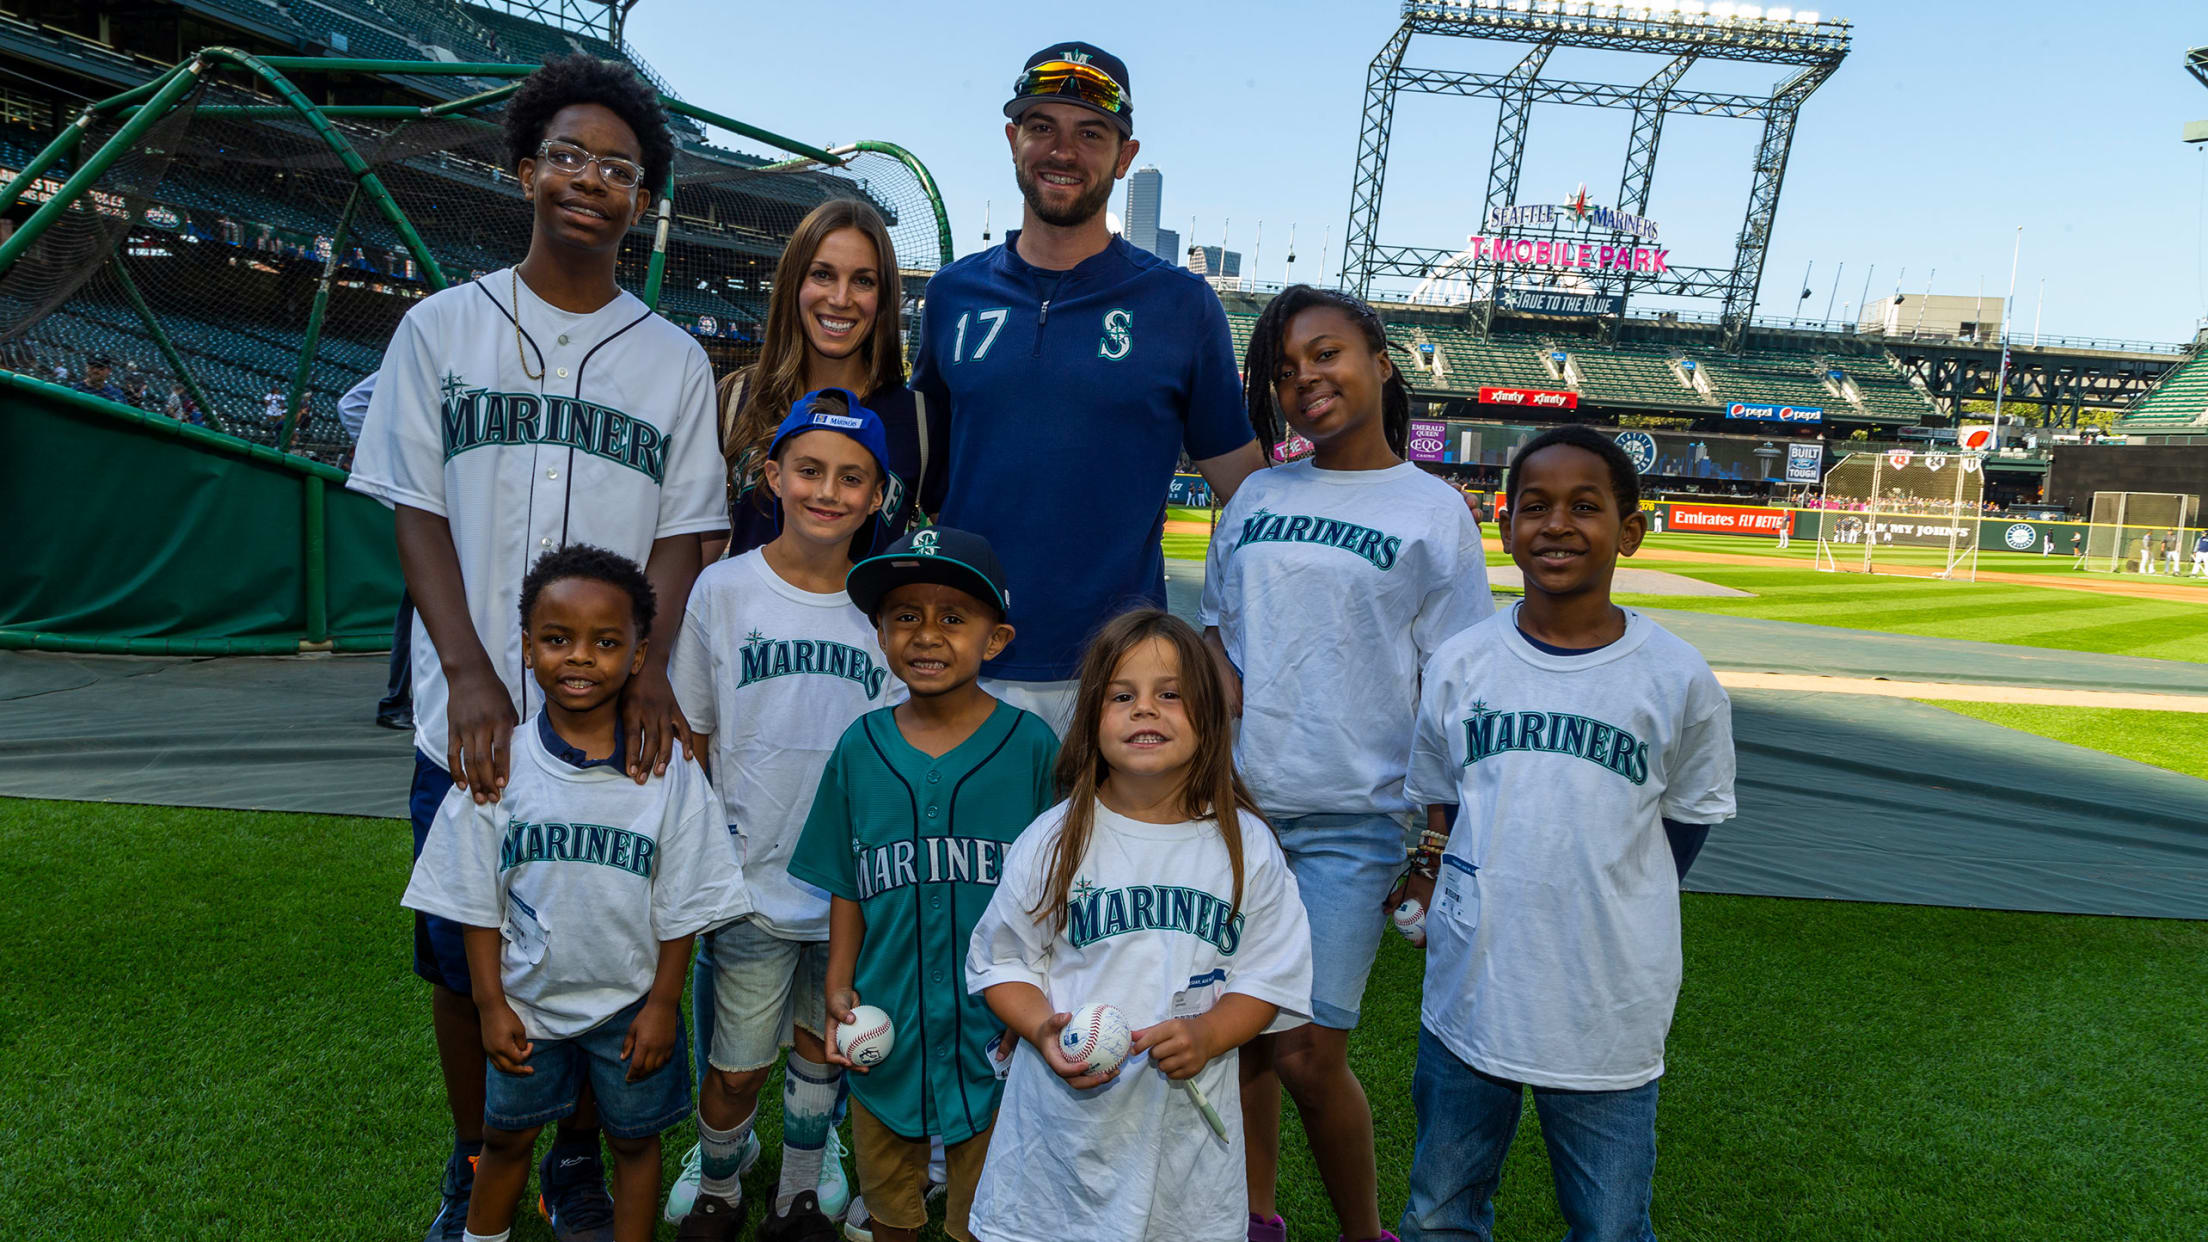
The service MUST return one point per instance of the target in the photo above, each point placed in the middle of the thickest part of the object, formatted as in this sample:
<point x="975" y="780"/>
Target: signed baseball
<point x="1097" y="1038"/>
<point x="1410" y="919"/>
<point x="867" y="1038"/>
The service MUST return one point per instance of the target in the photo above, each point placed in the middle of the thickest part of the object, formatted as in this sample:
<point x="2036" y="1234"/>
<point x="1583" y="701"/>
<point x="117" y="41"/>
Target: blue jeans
<point x="1344" y="866"/>
<point x="563" y="1067"/>
<point x="1602" y="1151"/>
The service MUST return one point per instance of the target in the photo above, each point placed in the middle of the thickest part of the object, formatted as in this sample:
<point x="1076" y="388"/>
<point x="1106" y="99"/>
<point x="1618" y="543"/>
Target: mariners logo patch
<point x="924" y="543"/>
<point x="1117" y="339"/>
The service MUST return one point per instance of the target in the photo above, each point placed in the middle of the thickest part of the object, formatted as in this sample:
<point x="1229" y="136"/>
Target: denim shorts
<point x="627" y="1110"/>
<point x="1344" y="867"/>
<point x="762" y="986"/>
<point x="440" y="955"/>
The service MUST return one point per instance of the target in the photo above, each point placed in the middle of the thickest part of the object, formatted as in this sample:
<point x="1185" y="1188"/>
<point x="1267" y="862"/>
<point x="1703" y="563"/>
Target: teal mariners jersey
<point x="919" y="842"/>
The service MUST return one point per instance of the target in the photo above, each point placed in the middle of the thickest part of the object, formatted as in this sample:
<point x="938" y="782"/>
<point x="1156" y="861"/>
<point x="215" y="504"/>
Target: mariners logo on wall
<point x="1641" y="448"/>
<point x="2020" y="536"/>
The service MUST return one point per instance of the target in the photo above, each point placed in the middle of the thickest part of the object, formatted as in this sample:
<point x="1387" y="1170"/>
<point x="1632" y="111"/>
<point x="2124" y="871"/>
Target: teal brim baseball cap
<point x="942" y="555"/>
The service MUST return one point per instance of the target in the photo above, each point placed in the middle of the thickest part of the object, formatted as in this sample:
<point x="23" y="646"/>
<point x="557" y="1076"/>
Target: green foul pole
<point x="97" y="164"/>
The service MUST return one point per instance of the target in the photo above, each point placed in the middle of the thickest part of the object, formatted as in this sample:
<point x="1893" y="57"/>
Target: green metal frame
<point x="161" y="341"/>
<point x="927" y="181"/>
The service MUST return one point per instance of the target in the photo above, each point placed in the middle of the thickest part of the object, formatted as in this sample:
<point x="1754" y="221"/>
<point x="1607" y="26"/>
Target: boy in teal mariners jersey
<point x="771" y="666"/>
<point x="1587" y="751"/>
<point x="908" y="834"/>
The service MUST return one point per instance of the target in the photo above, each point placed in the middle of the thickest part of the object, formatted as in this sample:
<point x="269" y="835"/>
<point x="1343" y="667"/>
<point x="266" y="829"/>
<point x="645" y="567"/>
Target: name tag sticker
<point x="1458" y="895"/>
<point x="523" y="929"/>
<point x="1203" y="991"/>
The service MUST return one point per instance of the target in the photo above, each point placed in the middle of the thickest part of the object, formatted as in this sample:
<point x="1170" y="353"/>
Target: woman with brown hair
<point x="831" y="323"/>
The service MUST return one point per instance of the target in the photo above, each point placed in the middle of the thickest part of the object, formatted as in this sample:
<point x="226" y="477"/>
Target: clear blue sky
<point x="1949" y="125"/>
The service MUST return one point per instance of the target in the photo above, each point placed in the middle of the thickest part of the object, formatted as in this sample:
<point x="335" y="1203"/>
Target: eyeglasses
<point x="569" y="160"/>
<point x="1086" y="83"/>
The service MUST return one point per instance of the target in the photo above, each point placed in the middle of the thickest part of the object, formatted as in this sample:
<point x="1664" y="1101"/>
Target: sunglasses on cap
<point x="1086" y="83"/>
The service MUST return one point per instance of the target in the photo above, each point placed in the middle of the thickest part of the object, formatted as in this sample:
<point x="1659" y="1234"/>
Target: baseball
<point x="1097" y="1038"/>
<point x="1410" y="919"/>
<point x="867" y="1038"/>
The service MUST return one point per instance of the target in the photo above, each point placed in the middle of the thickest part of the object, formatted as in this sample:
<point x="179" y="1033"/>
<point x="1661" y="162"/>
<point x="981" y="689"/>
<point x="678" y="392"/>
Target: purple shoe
<point x="1263" y="1230"/>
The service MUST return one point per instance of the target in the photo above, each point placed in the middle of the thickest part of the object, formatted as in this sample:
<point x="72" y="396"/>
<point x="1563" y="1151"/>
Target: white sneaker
<point x="835" y="1184"/>
<point x="684" y="1194"/>
<point x="858" y="1226"/>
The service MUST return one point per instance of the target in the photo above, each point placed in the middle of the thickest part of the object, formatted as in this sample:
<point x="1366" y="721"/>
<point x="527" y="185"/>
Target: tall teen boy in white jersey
<point x="1132" y="352"/>
<point x="534" y="408"/>
<point x="773" y="665"/>
<point x="580" y="891"/>
<point x="1586" y="752"/>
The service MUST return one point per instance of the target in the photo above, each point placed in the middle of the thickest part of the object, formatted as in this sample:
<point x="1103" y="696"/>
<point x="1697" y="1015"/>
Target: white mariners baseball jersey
<point x="1552" y="948"/>
<point x="614" y="445"/>
<point x="776" y="675"/>
<point x="1148" y="930"/>
<point x="584" y="872"/>
<point x="1331" y="589"/>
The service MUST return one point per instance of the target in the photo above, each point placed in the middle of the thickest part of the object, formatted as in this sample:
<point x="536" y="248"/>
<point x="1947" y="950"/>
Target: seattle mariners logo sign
<point x="924" y="543"/>
<point x="1117" y="339"/>
<point x="2019" y="536"/>
<point x="1641" y="448"/>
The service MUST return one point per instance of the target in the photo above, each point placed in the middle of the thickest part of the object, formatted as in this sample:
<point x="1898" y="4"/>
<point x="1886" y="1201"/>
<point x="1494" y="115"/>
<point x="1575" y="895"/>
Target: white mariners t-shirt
<point x="615" y="445"/>
<point x="1552" y="950"/>
<point x="584" y="872"/>
<point x="776" y="675"/>
<point x="1331" y="589"/>
<point x="1149" y="932"/>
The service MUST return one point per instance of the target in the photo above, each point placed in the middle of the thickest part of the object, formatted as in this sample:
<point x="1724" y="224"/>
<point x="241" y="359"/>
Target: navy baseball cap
<point x="938" y="554"/>
<point x="1077" y="73"/>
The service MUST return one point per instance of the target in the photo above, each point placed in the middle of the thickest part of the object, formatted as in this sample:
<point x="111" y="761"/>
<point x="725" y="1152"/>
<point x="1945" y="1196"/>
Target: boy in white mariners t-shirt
<point x="578" y="893"/>
<point x="773" y="665"/>
<point x="1586" y="752"/>
<point x="536" y="407"/>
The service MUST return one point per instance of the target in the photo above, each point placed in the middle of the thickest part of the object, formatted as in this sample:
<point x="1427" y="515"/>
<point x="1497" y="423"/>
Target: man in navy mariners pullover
<point x="1074" y="369"/>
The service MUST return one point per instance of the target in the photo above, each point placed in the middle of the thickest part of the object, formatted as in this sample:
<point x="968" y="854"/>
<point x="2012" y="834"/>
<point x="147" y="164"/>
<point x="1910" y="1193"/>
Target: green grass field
<point x="1804" y="552"/>
<point x="2174" y="740"/>
<point x="214" y="1034"/>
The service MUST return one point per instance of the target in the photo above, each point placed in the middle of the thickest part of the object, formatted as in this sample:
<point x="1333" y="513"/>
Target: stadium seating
<point x="1633" y="374"/>
<point x="2178" y="402"/>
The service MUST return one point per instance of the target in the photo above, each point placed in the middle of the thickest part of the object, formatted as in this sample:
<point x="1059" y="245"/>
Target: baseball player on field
<point x="1585" y="752"/>
<point x="1154" y="888"/>
<point x="515" y="414"/>
<point x="772" y="666"/>
<point x="908" y="834"/>
<point x="2200" y="554"/>
<point x="579" y="890"/>
<point x="1331" y="580"/>
<point x="1135" y="356"/>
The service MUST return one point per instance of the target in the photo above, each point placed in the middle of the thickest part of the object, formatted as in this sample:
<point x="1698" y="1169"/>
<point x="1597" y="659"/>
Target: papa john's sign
<point x="1531" y="398"/>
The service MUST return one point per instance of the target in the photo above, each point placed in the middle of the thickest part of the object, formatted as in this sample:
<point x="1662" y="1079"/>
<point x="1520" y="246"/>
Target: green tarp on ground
<point x="1842" y="796"/>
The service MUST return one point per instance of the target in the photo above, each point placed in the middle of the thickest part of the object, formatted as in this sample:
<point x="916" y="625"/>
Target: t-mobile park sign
<point x="1563" y="254"/>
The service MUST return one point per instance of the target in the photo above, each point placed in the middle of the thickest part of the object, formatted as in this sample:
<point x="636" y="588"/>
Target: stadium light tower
<point x="1681" y="31"/>
<point x="2196" y="63"/>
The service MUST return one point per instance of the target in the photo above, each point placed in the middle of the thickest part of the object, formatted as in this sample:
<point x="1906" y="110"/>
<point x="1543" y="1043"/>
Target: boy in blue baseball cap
<point x="772" y="665"/>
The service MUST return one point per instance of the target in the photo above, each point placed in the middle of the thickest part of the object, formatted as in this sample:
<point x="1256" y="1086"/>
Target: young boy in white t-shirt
<point x="772" y="666"/>
<point x="1586" y="752"/>
<point x="578" y="893"/>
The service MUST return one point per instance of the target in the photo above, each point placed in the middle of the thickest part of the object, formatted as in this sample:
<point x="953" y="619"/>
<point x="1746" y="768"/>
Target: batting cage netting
<point x="229" y="267"/>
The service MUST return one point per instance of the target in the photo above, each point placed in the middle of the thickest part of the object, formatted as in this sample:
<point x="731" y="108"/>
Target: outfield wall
<point x="150" y="537"/>
<point x="1994" y="534"/>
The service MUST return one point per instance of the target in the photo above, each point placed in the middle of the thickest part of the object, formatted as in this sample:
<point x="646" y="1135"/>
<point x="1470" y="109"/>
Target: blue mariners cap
<point x="939" y="554"/>
<point x="1077" y="73"/>
<point x="858" y="422"/>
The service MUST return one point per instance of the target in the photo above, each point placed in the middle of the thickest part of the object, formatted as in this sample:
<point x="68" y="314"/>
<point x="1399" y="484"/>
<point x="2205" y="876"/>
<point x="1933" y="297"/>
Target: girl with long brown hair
<point x="832" y="322"/>
<point x="1157" y="889"/>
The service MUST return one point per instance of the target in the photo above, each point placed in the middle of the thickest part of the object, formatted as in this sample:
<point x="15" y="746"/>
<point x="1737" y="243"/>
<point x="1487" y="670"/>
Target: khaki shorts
<point x="893" y="1174"/>
<point x="762" y="986"/>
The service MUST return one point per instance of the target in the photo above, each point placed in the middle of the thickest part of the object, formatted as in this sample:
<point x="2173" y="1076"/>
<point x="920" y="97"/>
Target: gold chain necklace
<point x="520" y="353"/>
